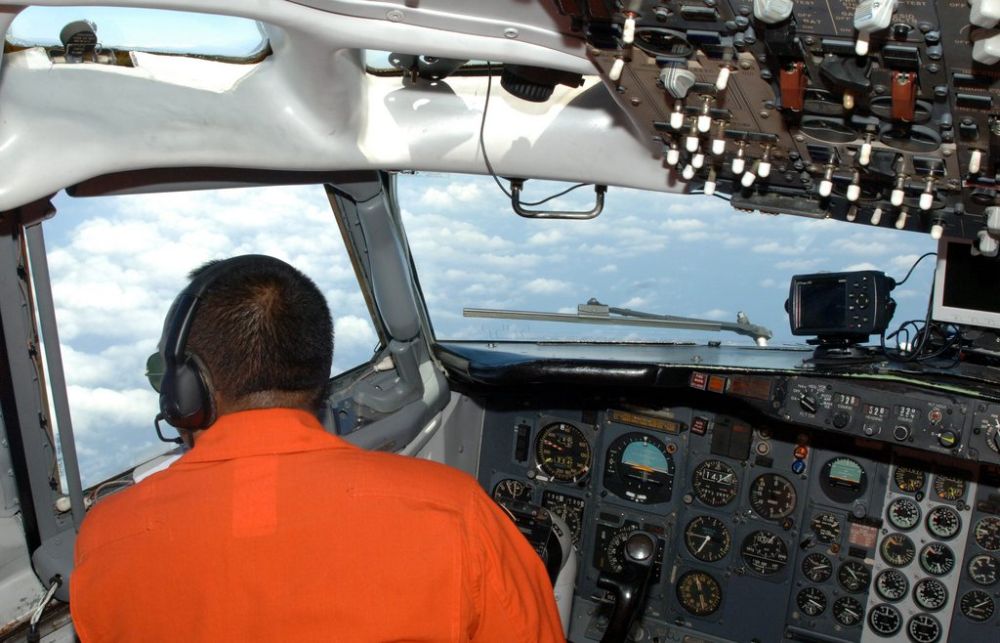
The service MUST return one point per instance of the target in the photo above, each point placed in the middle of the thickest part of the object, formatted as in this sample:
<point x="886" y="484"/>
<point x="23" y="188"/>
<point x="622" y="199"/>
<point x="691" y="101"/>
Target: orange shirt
<point x="272" y="529"/>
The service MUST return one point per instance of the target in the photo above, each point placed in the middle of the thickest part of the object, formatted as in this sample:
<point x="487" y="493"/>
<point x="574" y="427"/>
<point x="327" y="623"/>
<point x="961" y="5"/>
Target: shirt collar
<point x="262" y="432"/>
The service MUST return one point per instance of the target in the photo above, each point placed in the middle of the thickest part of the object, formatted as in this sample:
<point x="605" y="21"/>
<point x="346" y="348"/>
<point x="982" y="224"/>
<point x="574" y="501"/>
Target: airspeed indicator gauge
<point x="562" y="452"/>
<point x="639" y="468"/>
<point x="715" y="483"/>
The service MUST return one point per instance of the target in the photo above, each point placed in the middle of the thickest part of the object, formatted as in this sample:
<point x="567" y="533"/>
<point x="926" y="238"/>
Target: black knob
<point x="841" y="419"/>
<point x="639" y="547"/>
<point x="948" y="439"/>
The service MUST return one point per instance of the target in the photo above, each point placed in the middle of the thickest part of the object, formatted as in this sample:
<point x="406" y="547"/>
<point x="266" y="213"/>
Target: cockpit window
<point x="155" y="30"/>
<point x="116" y="265"/>
<point x="653" y="253"/>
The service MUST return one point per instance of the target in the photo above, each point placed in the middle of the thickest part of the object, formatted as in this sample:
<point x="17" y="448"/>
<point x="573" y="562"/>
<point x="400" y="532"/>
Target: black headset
<point x="186" y="399"/>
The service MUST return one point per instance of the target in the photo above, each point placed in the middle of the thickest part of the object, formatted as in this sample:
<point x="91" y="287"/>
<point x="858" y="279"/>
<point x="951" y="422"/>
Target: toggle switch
<point x="975" y="161"/>
<point x="901" y="219"/>
<point x="722" y="80"/>
<point x="927" y="197"/>
<point x="739" y="163"/>
<point x="898" y="192"/>
<point x="871" y="16"/>
<point x="677" y="116"/>
<point x="937" y="230"/>
<point x="876" y="216"/>
<point x="852" y="213"/>
<point x="748" y="178"/>
<point x="615" y="73"/>
<point x="719" y="143"/>
<point x="992" y="214"/>
<point x="628" y="30"/>
<point x="688" y="172"/>
<point x="673" y="155"/>
<point x="698" y="160"/>
<point x="854" y="189"/>
<point x="764" y="166"/>
<point x="987" y="50"/>
<point x="865" y="153"/>
<point x="826" y="185"/>
<point x="691" y="143"/>
<point x="710" y="182"/>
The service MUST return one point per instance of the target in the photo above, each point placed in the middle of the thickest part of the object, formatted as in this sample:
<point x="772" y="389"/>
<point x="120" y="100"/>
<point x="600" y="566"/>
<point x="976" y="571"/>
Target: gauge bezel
<point x="923" y="558"/>
<point x="697" y="481"/>
<point x="908" y="502"/>
<point x="715" y="554"/>
<point x="898" y="576"/>
<point x="943" y="510"/>
<point x="965" y="610"/>
<point x="816" y="594"/>
<point x="581" y="464"/>
<point x="709" y="581"/>
<point x="757" y="502"/>
<point x="885" y="608"/>
<point x="764" y="569"/>
<point x="616" y="473"/>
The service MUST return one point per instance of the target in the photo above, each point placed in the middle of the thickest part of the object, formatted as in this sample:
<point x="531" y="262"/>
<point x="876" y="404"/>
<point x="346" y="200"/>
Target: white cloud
<point x="544" y="286"/>
<point x="679" y="225"/>
<point x="858" y="245"/>
<point x="774" y="247"/>
<point x="716" y="313"/>
<point x="860" y="266"/>
<point x="636" y="302"/>
<point x="608" y="268"/>
<point x="799" y="264"/>
<point x="546" y="238"/>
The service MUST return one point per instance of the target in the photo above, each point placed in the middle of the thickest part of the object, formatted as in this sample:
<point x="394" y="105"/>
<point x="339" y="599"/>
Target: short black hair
<point x="264" y="326"/>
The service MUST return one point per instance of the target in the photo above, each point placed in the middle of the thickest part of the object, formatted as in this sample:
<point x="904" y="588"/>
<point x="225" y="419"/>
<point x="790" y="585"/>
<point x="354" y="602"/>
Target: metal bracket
<point x="516" y="185"/>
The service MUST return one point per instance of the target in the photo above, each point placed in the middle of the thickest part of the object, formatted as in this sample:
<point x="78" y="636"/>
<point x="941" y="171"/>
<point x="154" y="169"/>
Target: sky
<point x="118" y="262"/>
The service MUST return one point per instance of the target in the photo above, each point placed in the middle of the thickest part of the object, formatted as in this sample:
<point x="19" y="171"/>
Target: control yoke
<point x="630" y="585"/>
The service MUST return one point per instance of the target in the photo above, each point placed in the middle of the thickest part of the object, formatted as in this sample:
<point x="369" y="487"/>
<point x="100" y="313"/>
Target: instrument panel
<point x="766" y="529"/>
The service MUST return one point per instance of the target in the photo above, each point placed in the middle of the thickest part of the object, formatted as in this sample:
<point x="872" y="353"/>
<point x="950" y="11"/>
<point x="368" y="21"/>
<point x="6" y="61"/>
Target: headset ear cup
<point x="186" y="400"/>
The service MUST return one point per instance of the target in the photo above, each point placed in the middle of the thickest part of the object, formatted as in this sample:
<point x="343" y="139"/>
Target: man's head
<point x="255" y="330"/>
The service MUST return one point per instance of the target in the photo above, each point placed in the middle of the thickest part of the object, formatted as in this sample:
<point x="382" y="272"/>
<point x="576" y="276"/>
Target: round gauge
<point x="892" y="585"/>
<point x="854" y="576"/>
<point x="847" y="611"/>
<point x="772" y="496"/>
<point x="615" y="550"/>
<point x="562" y="452"/>
<point x="923" y="628"/>
<point x="817" y="567"/>
<point x="764" y="552"/>
<point x="977" y="605"/>
<point x="826" y="526"/>
<point x="937" y="559"/>
<point x="843" y="479"/>
<point x="699" y="593"/>
<point x="707" y="539"/>
<point x="639" y="469"/>
<point x="885" y="620"/>
<point x="949" y="488"/>
<point x="715" y="483"/>
<point x="987" y="533"/>
<point x="811" y="601"/>
<point x="984" y="570"/>
<point x="511" y="489"/>
<point x="930" y="594"/>
<point x="898" y="550"/>
<point x="908" y="479"/>
<point x="903" y="513"/>
<point x="568" y="508"/>
<point x="943" y="522"/>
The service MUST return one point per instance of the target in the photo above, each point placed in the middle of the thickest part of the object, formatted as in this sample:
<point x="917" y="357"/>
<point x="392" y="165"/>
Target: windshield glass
<point x="691" y="256"/>
<point x="144" y="30"/>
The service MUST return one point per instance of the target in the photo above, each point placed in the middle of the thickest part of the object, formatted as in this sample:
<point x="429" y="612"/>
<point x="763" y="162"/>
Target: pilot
<point x="270" y="528"/>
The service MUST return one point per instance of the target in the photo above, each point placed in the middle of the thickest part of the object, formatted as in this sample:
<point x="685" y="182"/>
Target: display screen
<point x="643" y="455"/>
<point x="822" y="304"/>
<point x="971" y="282"/>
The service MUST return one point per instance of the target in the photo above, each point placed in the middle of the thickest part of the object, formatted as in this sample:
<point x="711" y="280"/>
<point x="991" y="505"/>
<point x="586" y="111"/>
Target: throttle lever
<point x="630" y="585"/>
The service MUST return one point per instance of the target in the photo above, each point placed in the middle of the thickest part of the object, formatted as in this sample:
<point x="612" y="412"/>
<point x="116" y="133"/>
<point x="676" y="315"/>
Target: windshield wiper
<point x="594" y="312"/>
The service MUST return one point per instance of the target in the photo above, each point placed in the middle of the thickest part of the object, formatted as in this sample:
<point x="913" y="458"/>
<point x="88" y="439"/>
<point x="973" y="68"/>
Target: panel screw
<point x="394" y="16"/>
<point x="511" y="32"/>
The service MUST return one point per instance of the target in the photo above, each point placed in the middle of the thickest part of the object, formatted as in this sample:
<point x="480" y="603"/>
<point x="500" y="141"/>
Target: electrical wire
<point x="913" y="267"/>
<point x="486" y="158"/>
